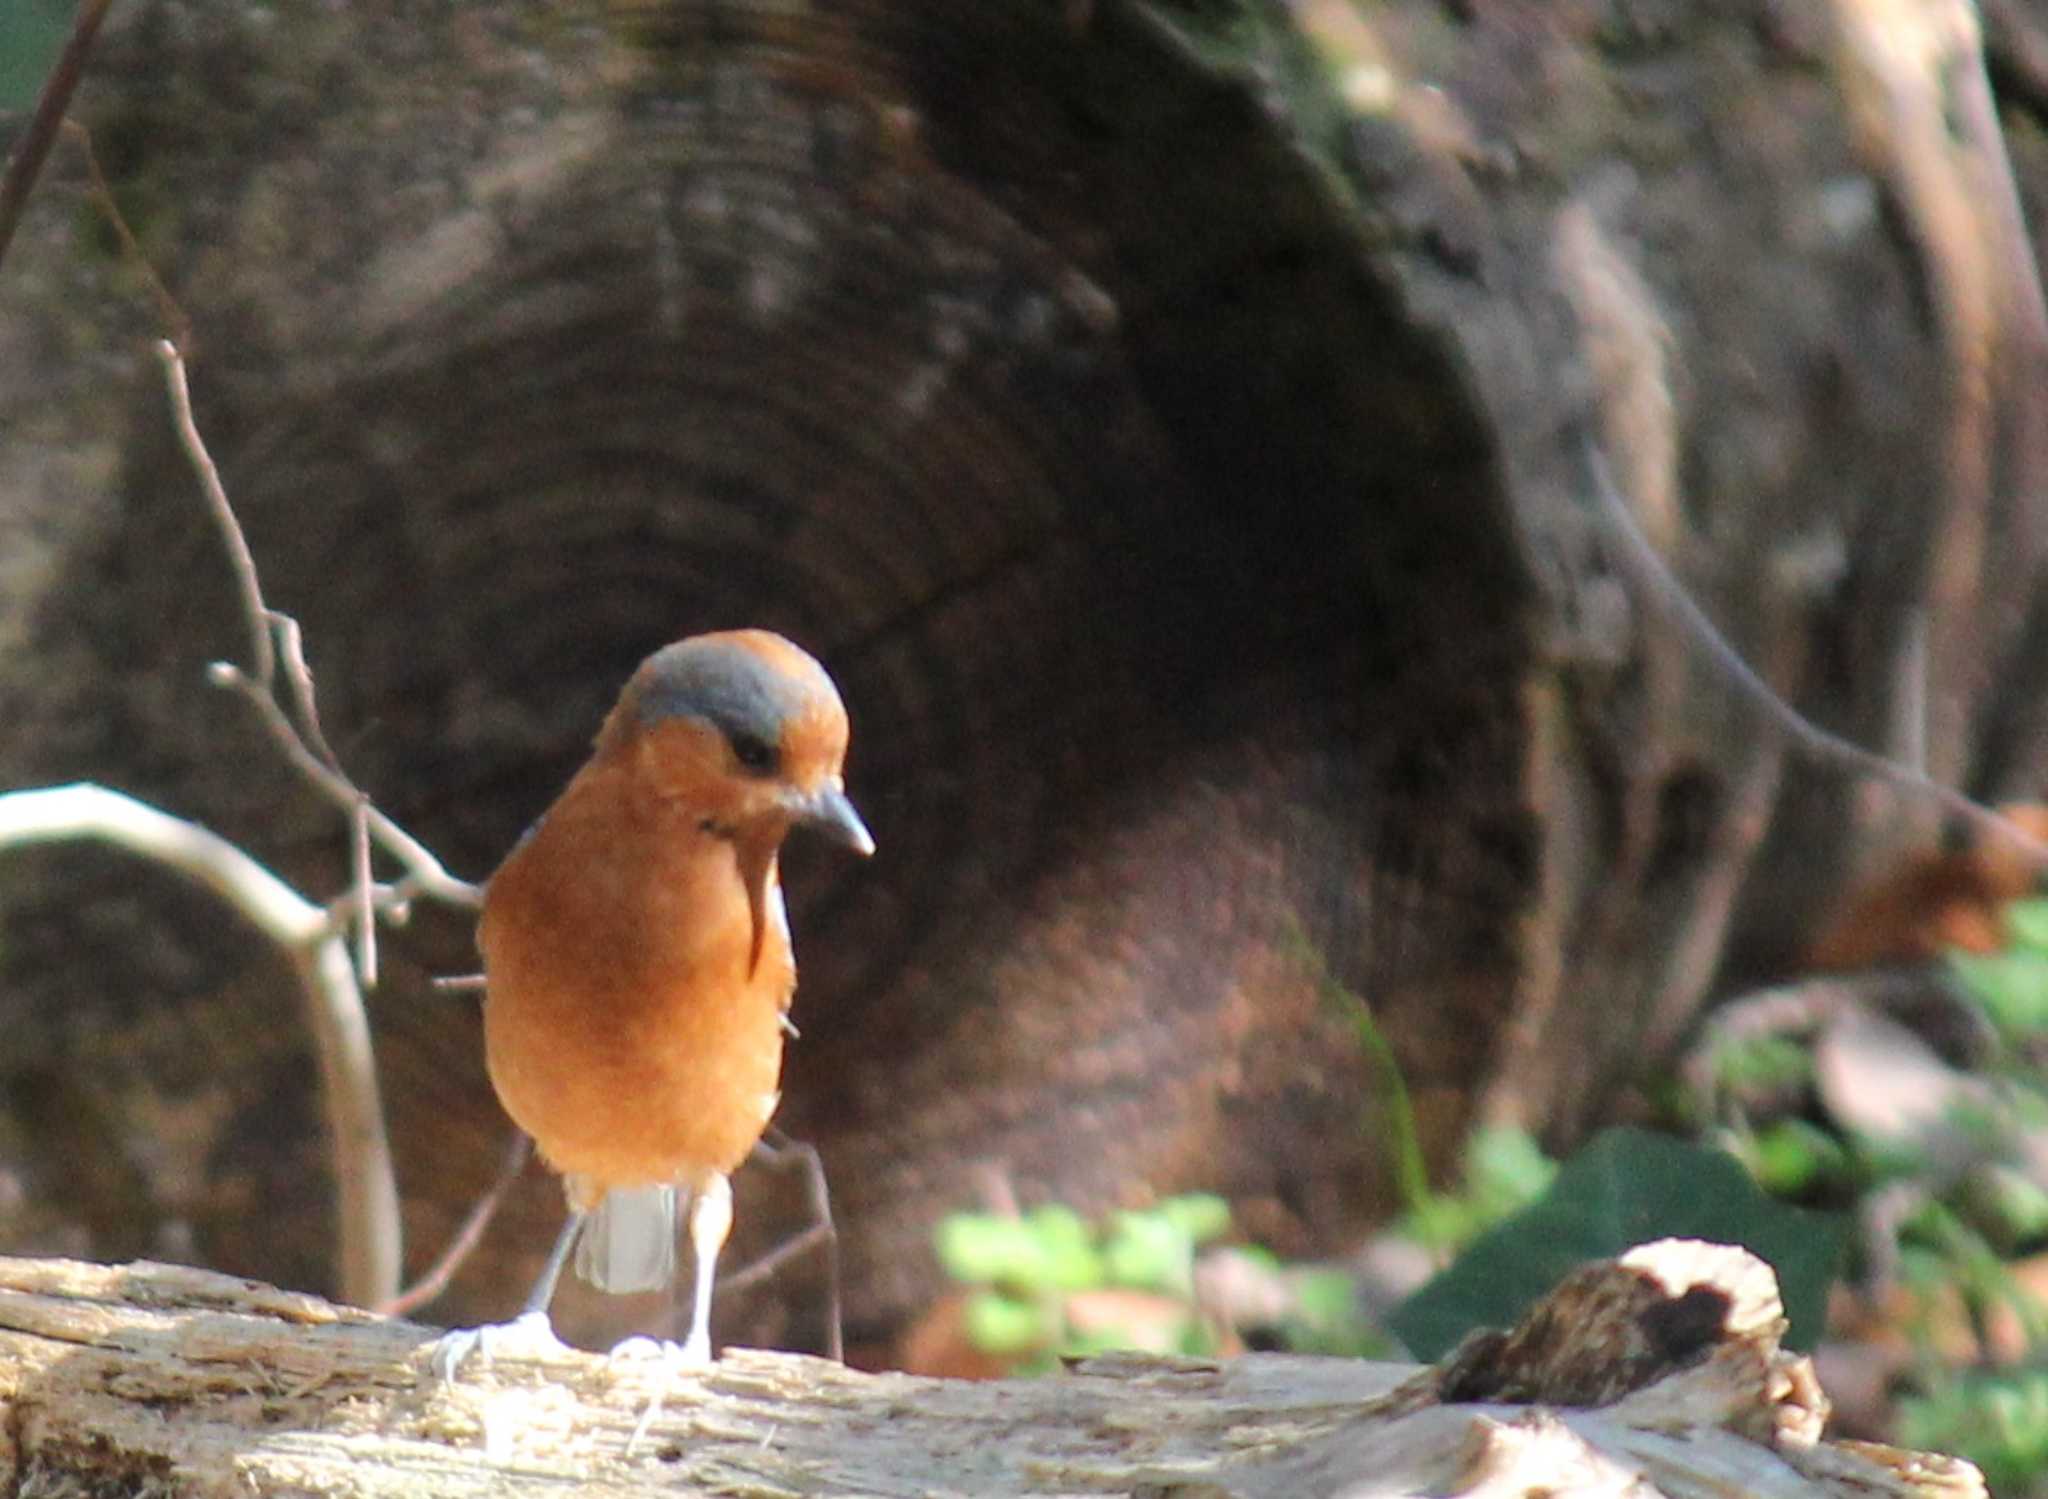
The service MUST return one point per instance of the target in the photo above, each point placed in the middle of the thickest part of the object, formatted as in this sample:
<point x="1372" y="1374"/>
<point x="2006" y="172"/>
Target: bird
<point x="637" y="963"/>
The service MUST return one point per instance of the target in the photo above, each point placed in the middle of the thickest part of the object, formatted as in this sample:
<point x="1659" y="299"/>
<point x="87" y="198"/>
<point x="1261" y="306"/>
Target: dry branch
<point x="302" y="741"/>
<point x="165" y="1379"/>
<point x="367" y="1188"/>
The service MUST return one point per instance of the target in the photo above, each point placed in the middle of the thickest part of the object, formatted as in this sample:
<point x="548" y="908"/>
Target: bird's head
<point x="745" y="730"/>
<point x="745" y="733"/>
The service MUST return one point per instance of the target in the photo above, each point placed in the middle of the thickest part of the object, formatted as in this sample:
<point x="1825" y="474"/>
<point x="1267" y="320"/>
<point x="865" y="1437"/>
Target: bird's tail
<point x="629" y="1242"/>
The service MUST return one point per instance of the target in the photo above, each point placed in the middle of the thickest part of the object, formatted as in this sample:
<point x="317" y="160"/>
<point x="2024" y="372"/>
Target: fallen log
<point x="1658" y="1373"/>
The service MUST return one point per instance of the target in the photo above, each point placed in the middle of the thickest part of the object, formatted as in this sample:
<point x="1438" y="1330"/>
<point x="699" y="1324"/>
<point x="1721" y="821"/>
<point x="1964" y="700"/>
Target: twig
<point x="176" y="326"/>
<point x="348" y="1069"/>
<point x="298" y="675"/>
<point x="262" y="650"/>
<point x="784" y="1154"/>
<point x="26" y="163"/>
<point x="368" y="1208"/>
<point x="1654" y="580"/>
<point x="435" y="1281"/>
<point x="370" y="1249"/>
<point x="425" y="874"/>
<point x="306" y="748"/>
<point x="364" y="882"/>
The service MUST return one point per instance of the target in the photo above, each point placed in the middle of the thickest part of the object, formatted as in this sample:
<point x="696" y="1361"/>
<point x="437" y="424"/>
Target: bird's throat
<point x="757" y="872"/>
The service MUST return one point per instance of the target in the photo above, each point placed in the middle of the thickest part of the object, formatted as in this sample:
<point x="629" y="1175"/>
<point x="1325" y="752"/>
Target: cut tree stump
<point x="1658" y="1373"/>
<point x="1168" y="422"/>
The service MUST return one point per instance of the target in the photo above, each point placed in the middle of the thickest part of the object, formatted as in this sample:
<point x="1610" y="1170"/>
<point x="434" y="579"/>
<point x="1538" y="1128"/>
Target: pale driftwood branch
<point x="367" y="1208"/>
<point x="170" y="1380"/>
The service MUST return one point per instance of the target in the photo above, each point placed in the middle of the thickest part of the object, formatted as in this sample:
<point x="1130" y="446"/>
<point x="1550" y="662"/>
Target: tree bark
<point x="153" y="1379"/>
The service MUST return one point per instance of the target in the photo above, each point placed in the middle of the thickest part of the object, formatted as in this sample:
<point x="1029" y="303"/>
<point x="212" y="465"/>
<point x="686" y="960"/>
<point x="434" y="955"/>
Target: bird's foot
<point x="695" y="1354"/>
<point x="529" y="1335"/>
<point x="672" y="1358"/>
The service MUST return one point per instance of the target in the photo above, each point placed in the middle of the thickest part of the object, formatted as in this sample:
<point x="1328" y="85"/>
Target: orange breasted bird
<point x="637" y="959"/>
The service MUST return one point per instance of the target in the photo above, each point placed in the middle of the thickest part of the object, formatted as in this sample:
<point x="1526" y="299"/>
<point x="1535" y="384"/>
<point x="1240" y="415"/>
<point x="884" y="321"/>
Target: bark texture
<point x="148" y="1379"/>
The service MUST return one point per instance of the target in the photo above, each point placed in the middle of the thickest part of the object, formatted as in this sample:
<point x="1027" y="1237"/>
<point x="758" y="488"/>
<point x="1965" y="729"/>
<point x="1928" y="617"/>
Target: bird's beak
<point x="829" y="811"/>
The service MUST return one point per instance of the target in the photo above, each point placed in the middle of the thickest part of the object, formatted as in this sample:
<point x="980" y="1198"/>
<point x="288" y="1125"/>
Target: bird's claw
<point x="529" y="1335"/>
<point x="670" y="1358"/>
<point x="675" y="1355"/>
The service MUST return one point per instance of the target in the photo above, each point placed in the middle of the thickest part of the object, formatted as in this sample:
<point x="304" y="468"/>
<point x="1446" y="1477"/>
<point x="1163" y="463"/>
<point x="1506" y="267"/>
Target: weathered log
<point x="157" y="1379"/>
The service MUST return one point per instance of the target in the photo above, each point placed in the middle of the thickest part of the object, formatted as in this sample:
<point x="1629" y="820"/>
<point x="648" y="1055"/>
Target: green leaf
<point x="1997" y="1419"/>
<point x="2026" y="924"/>
<point x="1148" y="1252"/>
<point x="1202" y="1216"/>
<point x="1788" y="1156"/>
<point x="1761" y="1064"/>
<point x="2011" y="986"/>
<point x="1327" y="1318"/>
<point x="1057" y="1226"/>
<point x="1067" y="1245"/>
<point x="1002" y="1325"/>
<point x="1626" y="1187"/>
<point x="1505" y="1169"/>
<point x="983" y="1249"/>
<point x="2008" y="1207"/>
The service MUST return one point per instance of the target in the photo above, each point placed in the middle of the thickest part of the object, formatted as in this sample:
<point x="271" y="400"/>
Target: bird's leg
<point x="530" y="1333"/>
<point x="710" y="1222"/>
<point x="542" y="1296"/>
<point x="710" y="1212"/>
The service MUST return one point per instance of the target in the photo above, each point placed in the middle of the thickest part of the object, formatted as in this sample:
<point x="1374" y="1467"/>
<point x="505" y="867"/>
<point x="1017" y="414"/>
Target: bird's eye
<point x="753" y="752"/>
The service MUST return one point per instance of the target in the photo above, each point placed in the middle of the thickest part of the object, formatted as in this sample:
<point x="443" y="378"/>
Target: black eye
<point x="753" y="752"/>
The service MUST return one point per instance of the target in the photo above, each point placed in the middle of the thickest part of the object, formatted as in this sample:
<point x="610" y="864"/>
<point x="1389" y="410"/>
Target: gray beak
<point x="832" y="814"/>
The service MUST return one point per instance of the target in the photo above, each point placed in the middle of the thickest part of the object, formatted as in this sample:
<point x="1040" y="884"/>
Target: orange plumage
<point x="636" y="954"/>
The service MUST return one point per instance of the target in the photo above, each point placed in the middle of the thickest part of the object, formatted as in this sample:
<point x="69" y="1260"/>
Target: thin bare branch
<point x="1654" y="580"/>
<point x="425" y="872"/>
<point x="363" y="882"/>
<point x="435" y="1281"/>
<point x="368" y="1209"/>
<point x="779" y="1152"/>
<point x="302" y="742"/>
<point x="25" y="165"/>
<point x="361" y="1152"/>
<point x="176" y="326"/>
<point x="262" y="653"/>
<point x="363" y="890"/>
<point x="298" y="675"/>
<point x="760" y="1269"/>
